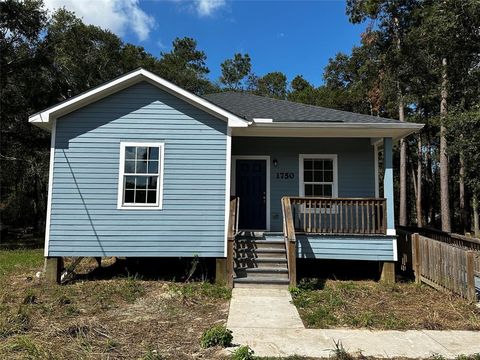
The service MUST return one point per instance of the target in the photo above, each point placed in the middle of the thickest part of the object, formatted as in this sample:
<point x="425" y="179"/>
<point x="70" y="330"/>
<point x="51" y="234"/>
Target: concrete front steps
<point x="260" y="259"/>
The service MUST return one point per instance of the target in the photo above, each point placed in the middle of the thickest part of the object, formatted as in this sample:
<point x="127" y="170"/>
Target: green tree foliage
<point x="185" y="66"/>
<point x="237" y="72"/>
<point x="302" y="91"/>
<point x="273" y="85"/>
<point x="46" y="59"/>
<point x="464" y="140"/>
<point x="24" y="154"/>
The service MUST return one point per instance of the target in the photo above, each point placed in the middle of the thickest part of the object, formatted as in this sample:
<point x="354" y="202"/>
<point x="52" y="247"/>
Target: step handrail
<point x="290" y="240"/>
<point x="231" y="234"/>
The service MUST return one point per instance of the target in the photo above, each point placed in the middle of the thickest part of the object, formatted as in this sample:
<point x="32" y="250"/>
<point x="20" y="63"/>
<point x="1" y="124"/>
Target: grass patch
<point x="368" y="304"/>
<point x="18" y="261"/>
<point x="28" y="348"/>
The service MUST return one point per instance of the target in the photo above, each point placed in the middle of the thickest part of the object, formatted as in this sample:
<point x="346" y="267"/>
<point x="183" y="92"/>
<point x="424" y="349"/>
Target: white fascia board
<point x="44" y="118"/>
<point x="262" y="120"/>
<point x="342" y="125"/>
<point x="369" y="130"/>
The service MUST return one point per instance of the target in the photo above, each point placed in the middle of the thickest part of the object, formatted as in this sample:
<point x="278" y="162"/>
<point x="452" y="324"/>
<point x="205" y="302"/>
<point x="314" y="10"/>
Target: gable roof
<point x="251" y="107"/>
<point x="45" y="117"/>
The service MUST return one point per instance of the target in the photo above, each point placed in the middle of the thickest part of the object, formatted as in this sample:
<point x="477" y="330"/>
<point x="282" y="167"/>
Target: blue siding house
<point x="142" y="168"/>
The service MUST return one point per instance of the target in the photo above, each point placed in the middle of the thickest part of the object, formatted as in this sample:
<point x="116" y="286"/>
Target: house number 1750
<point x="285" y="175"/>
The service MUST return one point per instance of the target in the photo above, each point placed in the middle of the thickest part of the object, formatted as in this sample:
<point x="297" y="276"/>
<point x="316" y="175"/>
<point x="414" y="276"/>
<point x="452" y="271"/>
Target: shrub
<point x="295" y="291"/>
<point x="243" y="353"/>
<point x="216" y="335"/>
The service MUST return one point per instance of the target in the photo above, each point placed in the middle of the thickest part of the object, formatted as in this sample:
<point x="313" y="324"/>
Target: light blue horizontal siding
<point x="345" y="247"/>
<point x="85" y="220"/>
<point x="356" y="166"/>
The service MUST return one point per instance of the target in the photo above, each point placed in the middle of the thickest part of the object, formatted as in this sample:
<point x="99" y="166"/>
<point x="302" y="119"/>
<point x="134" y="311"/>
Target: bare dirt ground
<point x="112" y="318"/>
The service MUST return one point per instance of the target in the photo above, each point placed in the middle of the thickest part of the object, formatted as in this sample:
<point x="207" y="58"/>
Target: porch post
<point x="388" y="184"/>
<point x="53" y="269"/>
<point x="221" y="271"/>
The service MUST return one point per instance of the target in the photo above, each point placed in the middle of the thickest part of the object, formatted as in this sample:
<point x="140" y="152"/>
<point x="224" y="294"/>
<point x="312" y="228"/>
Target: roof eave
<point x="332" y="124"/>
<point x="44" y="118"/>
<point x="324" y="129"/>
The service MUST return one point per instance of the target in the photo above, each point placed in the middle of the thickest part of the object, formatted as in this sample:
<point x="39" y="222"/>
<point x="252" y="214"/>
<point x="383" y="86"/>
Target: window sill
<point x="156" y="207"/>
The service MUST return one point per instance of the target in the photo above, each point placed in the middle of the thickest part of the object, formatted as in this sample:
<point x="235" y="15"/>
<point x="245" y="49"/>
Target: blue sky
<point x="295" y="37"/>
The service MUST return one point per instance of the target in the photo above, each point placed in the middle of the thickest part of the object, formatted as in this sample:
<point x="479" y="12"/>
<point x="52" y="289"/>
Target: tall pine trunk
<point x="419" y="183"/>
<point x="403" y="220"/>
<point x="403" y="166"/>
<point x="476" y="219"/>
<point x="444" y="191"/>
<point x="461" y="193"/>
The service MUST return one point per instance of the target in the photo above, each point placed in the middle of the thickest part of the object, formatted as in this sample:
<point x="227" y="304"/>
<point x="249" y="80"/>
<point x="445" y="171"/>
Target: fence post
<point x="471" y="296"/>
<point x="416" y="258"/>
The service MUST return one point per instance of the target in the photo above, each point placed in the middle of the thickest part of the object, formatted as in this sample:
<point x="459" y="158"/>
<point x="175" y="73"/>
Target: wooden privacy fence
<point x="339" y="215"/>
<point x="445" y="266"/>
<point x="404" y="244"/>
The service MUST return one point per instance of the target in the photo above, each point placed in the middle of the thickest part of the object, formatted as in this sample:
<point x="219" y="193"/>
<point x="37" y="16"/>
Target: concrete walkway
<point x="266" y="320"/>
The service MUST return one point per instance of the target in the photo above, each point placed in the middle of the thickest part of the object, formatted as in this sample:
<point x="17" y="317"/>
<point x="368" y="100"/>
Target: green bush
<point x="243" y="353"/>
<point x="217" y="335"/>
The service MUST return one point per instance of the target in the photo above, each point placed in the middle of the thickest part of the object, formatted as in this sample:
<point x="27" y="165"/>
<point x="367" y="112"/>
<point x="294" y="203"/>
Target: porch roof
<point x="274" y="117"/>
<point x="253" y="107"/>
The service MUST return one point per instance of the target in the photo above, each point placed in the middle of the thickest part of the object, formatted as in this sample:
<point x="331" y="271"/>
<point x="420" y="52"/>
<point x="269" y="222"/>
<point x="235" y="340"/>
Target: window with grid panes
<point x="141" y="175"/>
<point x="318" y="177"/>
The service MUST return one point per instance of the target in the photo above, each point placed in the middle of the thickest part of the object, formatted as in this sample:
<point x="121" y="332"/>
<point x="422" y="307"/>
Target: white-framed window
<point x="140" y="183"/>
<point x="318" y="175"/>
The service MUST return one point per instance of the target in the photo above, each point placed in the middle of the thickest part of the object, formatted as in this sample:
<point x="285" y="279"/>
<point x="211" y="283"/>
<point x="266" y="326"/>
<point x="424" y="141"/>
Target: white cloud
<point x="208" y="7"/>
<point x="119" y="16"/>
<point x="202" y="8"/>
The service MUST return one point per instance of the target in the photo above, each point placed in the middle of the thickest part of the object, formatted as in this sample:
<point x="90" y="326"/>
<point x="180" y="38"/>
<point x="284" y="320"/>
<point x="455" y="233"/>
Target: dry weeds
<point x="119" y="318"/>
<point x="369" y="304"/>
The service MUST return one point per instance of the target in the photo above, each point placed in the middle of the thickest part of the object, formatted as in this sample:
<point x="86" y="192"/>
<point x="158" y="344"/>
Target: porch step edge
<point x="263" y="250"/>
<point x="246" y="280"/>
<point x="260" y="241"/>
<point x="262" y="259"/>
<point x="264" y="270"/>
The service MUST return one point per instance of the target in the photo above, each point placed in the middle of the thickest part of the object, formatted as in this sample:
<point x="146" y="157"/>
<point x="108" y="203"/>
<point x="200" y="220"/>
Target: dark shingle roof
<point x="249" y="106"/>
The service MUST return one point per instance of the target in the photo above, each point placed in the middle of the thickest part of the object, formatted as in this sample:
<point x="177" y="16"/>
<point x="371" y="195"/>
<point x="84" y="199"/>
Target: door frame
<point x="233" y="177"/>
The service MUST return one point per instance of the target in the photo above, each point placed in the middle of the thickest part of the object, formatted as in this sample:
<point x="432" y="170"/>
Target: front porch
<point x="309" y="198"/>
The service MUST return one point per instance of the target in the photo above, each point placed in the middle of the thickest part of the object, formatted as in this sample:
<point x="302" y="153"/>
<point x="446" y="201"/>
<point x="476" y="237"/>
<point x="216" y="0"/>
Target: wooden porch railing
<point x="232" y="232"/>
<point x="339" y="215"/>
<point x="290" y="240"/>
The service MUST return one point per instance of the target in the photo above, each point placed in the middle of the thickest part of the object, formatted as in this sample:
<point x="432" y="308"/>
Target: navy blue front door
<point x="251" y="188"/>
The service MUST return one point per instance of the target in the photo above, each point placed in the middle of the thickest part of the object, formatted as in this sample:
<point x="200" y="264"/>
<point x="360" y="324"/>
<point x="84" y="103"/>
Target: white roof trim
<point x="342" y="130"/>
<point x="262" y="120"/>
<point x="341" y="125"/>
<point x="44" y="118"/>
